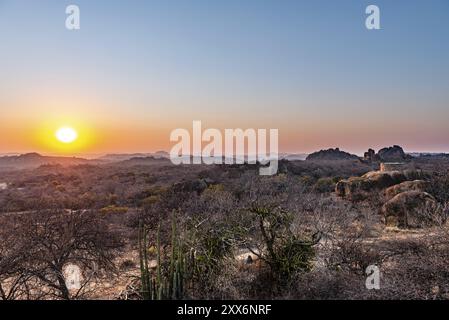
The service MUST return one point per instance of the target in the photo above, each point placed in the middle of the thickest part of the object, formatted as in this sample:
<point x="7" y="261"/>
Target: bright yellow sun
<point x="66" y="135"/>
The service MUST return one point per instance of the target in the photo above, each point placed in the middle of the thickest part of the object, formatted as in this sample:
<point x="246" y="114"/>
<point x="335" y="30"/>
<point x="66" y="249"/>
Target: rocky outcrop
<point x="393" y="154"/>
<point x="358" y="188"/>
<point x="394" y="166"/>
<point x="331" y="154"/>
<point x="389" y="154"/>
<point x="415" y="185"/>
<point x="370" y="156"/>
<point x="407" y="205"/>
<point x="410" y="209"/>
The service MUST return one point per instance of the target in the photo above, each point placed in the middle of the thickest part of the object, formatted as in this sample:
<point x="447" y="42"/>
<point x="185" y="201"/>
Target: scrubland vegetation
<point x="151" y="230"/>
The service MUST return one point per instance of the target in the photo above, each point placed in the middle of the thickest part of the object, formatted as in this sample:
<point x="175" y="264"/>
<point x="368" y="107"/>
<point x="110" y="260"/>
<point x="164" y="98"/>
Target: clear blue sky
<point x="309" y="68"/>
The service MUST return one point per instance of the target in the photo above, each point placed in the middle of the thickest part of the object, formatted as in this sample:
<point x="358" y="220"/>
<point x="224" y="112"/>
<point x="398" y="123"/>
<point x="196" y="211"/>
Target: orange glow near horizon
<point x="103" y="133"/>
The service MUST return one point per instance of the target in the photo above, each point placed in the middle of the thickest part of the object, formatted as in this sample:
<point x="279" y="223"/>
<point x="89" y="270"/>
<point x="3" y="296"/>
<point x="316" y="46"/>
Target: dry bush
<point x="44" y="242"/>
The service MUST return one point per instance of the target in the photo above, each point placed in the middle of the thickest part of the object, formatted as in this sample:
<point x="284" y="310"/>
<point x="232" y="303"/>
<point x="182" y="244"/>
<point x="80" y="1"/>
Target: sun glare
<point x="66" y="135"/>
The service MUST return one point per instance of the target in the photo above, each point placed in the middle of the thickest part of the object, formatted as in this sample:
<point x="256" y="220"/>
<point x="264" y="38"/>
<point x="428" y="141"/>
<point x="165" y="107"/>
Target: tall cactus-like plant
<point x="173" y="251"/>
<point x="161" y="285"/>
<point x="145" y="276"/>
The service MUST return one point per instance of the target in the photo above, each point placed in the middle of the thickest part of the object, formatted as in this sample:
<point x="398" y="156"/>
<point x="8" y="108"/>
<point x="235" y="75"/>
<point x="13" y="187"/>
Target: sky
<point x="136" y="70"/>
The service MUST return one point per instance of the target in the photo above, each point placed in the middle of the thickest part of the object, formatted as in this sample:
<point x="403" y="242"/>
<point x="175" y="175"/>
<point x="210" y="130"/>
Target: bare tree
<point x="53" y="239"/>
<point x="12" y="278"/>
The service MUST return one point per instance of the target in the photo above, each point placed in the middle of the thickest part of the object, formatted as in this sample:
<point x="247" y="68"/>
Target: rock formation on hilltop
<point x="393" y="154"/>
<point x="371" y="156"/>
<point x="389" y="154"/>
<point x="331" y="154"/>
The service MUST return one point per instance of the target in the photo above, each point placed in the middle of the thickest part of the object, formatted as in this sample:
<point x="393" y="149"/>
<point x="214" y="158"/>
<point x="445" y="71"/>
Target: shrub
<point x="284" y="251"/>
<point x="324" y="185"/>
<point x="113" y="210"/>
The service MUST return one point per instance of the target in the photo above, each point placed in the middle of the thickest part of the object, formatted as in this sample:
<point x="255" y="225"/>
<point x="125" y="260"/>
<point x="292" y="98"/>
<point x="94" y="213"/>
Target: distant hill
<point x="9" y="154"/>
<point x="122" y="157"/>
<point x="144" y="161"/>
<point x="429" y="155"/>
<point x="128" y="156"/>
<point x="34" y="160"/>
<point x="293" y="156"/>
<point x="331" y="154"/>
<point x="162" y="154"/>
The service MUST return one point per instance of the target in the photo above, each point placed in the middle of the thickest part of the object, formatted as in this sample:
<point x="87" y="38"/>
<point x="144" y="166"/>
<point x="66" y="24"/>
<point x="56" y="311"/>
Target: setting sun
<point x="66" y="135"/>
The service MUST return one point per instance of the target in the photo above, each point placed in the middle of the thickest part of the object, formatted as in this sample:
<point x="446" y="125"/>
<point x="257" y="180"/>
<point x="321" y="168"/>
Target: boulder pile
<point x="410" y="209"/>
<point x="359" y="188"/>
<point x="415" y="185"/>
<point x="407" y="205"/>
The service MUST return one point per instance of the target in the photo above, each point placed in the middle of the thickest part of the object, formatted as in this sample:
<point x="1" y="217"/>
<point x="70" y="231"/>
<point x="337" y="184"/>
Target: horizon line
<point x="94" y="155"/>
